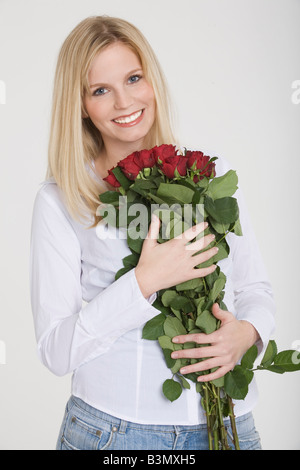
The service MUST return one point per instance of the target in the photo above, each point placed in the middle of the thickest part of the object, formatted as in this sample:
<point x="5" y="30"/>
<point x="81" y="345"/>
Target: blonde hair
<point x="74" y="140"/>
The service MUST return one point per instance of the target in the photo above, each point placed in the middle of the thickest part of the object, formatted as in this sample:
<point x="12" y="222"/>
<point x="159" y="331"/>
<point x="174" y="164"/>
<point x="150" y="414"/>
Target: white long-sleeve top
<point x="90" y="325"/>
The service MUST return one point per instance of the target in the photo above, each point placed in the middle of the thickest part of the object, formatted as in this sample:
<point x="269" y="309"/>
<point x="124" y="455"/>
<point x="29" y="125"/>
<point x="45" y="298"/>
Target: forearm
<point x="81" y="336"/>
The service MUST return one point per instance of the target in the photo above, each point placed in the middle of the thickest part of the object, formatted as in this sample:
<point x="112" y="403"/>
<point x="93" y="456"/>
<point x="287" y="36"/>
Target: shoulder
<point x="222" y="166"/>
<point x="49" y="201"/>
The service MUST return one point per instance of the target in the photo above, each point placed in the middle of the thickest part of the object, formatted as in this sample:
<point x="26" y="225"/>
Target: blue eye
<point x="134" y="78"/>
<point x="100" y="91"/>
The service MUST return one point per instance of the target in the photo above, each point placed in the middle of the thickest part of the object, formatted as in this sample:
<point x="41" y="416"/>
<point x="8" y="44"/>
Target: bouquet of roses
<point x="182" y="189"/>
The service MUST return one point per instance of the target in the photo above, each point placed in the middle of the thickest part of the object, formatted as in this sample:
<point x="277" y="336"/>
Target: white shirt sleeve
<point x="68" y="333"/>
<point x="253" y="295"/>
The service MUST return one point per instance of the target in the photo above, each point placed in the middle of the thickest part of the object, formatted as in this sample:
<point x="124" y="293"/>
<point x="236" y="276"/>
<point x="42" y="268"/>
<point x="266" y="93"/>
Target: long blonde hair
<point x="74" y="140"/>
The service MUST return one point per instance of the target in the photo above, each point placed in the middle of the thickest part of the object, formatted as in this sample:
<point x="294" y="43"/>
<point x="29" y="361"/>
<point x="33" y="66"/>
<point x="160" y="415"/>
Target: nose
<point x="123" y="99"/>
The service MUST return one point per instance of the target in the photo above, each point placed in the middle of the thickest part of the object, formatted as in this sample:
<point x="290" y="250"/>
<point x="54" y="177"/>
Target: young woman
<point x="110" y="99"/>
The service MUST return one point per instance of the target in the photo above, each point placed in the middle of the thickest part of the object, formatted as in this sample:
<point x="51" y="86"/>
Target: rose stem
<point x="208" y="421"/>
<point x="223" y="435"/>
<point x="233" y="424"/>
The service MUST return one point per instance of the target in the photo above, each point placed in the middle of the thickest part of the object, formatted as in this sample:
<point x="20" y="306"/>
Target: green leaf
<point x="181" y="303"/>
<point x="200" y="303"/>
<point x="276" y="369"/>
<point x="218" y="382"/>
<point x="168" y="296"/>
<point x="178" y="364"/>
<point x="189" y="345"/>
<point x="131" y="260"/>
<point x="224" y="210"/>
<point x="171" y="389"/>
<point x="206" y="322"/>
<point x="143" y="184"/>
<point x="175" y="193"/>
<point x="177" y="313"/>
<point x="222" y="186"/>
<point x="159" y="306"/>
<point x="135" y="244"/>
<point x="249" y="357"/>
<point x="132" y="196"/>
<point x="238" y="228"/>
<point x="222" y="253"/>
<point x="270" y="354"/>
<point x="122" y="271"/>
<point x="166" y="342"/>
<point x="175" y="228"/>
<point x="184" y="382"/>
<point x="247" y="373"/>
<point x="156" y="199"/>
<point x="189" y="285"/>
<point x="168" y="214"/>
<point x="288" y="360"/>
<point x="219" y="227"/>
<point x="197" y="195"/>
<point x="110" y="197"/>
<point x="236" y="384"/>
<point x="174" y="327"/>
<point x="169" y="360"/>
<point x="218" y="286"/>
<point x="154" y="327"/>
<point x="123" y="180"/>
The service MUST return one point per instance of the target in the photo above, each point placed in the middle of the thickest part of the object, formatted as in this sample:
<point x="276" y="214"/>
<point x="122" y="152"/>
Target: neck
<point x="111" y="154"/>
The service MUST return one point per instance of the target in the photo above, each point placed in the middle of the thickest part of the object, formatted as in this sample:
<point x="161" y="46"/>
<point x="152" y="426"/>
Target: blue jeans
<point x="86" y="428"/>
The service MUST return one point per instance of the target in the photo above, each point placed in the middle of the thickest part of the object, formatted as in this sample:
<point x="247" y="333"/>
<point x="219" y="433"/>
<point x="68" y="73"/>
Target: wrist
<point x="143" y="284"/>
<point x="251" y="332"/>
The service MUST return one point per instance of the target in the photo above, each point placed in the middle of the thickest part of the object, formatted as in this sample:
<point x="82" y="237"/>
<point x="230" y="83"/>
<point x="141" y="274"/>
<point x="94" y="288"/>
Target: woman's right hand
<point x="163" y="265"/>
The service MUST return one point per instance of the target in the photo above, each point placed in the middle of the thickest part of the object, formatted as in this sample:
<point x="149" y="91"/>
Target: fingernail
<point x="175" y="340"/>
<point x="174" y="355"/>
<point x="183" y="370"/>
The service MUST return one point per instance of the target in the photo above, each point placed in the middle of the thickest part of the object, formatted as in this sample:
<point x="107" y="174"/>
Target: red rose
<point x="111" y="179"/>
<point x="169" y="160"/>
<point x="201" y="164"/>
<point x="171" y="163"/>
<point x="164" y="151"/>
<point x="131" y="165"/>
<point x="210" y="169"/>
<point x="198" y="157"/>
<point x="146" y="158"/>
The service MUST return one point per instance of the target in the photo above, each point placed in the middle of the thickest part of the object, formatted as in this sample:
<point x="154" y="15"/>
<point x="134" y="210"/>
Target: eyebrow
<point x="127" y="75"/>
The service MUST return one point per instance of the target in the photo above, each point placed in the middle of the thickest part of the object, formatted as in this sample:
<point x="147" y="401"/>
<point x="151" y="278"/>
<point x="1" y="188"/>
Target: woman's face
<point x="121" y="103"/>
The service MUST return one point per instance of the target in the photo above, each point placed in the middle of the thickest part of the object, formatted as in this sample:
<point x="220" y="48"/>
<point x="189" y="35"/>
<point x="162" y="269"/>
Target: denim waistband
<point x="121" y="424"/>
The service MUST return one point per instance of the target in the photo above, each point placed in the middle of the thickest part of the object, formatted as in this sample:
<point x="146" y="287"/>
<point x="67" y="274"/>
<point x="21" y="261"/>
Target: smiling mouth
<point x="129" y="119"/>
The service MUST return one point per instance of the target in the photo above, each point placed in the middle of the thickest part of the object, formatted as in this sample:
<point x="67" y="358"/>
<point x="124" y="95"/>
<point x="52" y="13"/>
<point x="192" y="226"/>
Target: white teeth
<point x="128" y="119"/>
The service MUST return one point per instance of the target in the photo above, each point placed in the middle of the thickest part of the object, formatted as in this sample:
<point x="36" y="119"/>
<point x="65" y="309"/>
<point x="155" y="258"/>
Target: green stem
<point x="205" y="286"/>
<point x="233" y="424"/>
<point x="223" y="434"/>
<point x="224" y="236"/>
<point x="216" y="439"/>
<point x="208" y="418"/>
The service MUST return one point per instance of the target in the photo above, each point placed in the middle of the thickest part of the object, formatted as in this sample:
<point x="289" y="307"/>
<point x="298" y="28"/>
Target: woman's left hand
<point x="225" y="346"/>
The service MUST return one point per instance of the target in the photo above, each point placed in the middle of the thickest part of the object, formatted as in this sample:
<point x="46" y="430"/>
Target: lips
<point x="129" y="120"/>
